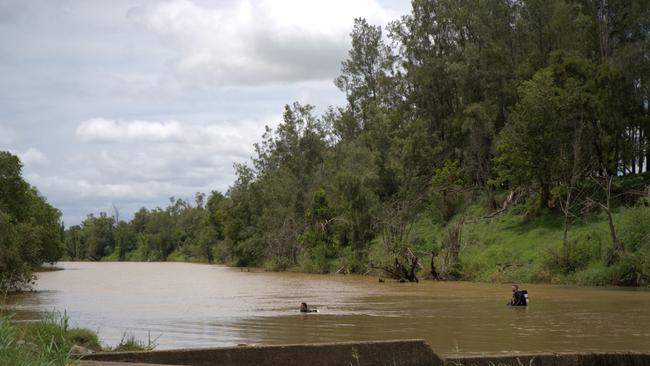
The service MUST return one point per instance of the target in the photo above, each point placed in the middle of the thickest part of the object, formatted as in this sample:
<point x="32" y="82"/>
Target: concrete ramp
<point x="385" y="353"/>
<point x="555" y="359"/>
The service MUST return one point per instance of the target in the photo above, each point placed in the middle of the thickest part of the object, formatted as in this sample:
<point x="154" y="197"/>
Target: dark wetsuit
<point x="519" y="298"/>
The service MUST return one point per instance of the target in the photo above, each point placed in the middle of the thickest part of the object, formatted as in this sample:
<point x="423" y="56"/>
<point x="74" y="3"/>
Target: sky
<point x="122" y="104"/>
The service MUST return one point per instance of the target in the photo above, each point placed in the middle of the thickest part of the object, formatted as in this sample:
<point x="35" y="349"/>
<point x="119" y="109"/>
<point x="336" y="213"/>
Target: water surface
<point x="194" y="305"/>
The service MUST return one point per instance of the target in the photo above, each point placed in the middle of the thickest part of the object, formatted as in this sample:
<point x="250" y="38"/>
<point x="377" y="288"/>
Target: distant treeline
<point x="457" y="106"/>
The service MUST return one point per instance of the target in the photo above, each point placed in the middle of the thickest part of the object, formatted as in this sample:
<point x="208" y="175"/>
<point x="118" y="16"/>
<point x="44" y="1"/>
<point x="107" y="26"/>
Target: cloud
<point x="223" y="139"/>
<point x="160" y="159"/>
<point x="255" y="42"/>
<point x="32" y="157"/>
<point x="106" y="130"/>
<point x="174" y="71"/>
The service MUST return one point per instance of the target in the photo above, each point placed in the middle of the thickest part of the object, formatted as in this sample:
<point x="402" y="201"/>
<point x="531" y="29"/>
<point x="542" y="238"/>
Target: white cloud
<point x="223" y="139"/>
<point x="255" y="42"/>
<point x="107" y="130"/>
<point x="151" y="159"/>
<point x="32" y="157"/>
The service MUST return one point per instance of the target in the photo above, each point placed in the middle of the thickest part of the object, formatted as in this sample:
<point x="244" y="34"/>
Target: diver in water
<point x="305" y="309"/>
<point x="519" y="298"/>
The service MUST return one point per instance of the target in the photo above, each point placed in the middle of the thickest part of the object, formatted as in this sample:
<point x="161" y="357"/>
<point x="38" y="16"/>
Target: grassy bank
<point x="520" y="246"/>
<point x="52" y="342"/>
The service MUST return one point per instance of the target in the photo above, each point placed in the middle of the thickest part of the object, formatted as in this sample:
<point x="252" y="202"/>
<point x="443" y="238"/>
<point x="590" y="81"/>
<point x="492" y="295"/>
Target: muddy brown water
<point x="194" y="305"/>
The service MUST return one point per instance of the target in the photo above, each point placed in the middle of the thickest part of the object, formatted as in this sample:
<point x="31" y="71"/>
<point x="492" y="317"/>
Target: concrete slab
<point x="555" y="359"/>
<point x="384" y="353"/>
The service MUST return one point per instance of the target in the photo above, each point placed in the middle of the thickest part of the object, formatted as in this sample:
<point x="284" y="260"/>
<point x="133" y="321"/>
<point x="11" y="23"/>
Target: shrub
<point x="129" y="343"/>
<point x="595" y="275"/>
<point x="85" y="338"/>
<point x="635" y="229"/>
<point x="581" y="252"/>
<point x="628" y="270"/>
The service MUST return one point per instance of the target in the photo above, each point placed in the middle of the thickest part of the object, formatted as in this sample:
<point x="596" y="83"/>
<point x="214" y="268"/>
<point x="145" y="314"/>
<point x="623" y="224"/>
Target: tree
<point x="364" y="75"/>
<point x="554" y="106"/>
<point x="30" y="228"/>
<point x="14" y="191"/>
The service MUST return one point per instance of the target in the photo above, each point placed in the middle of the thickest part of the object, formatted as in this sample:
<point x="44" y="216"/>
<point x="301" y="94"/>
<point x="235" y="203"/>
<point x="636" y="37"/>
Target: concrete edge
<point x="269" y="346"/>
<point x="414" y="352"/>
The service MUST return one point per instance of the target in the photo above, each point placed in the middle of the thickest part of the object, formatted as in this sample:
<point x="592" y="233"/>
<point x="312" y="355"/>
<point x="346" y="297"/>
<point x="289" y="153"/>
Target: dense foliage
<point x="30" y="228"/>
<point x="455" y="113"/>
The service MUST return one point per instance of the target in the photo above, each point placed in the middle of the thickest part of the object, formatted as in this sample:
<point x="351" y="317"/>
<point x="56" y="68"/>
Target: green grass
<point x="49" y="342"/>
<point x="517" y="248"/>
<point x="506" y="247"/>
<point x="129" y="343"/>
<point x="523" y="245"/>
<point x="34" y="344"/>
<point x="85" y="338"/>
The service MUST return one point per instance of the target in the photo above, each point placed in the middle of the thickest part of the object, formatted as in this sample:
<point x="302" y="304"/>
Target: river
<point x="195" y="305"/>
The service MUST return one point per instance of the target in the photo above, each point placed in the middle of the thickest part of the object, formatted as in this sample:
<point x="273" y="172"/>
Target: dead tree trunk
<point x="572" y="194"/>
<point x="434" y="273"/>
<point x="401" y="272"/>
<point x="617" y="245"/>
<point x="397" y="224"/>
<point x="453" y="250"/>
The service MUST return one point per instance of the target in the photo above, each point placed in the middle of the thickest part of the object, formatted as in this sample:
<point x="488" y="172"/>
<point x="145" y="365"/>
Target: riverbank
<point x="521" y="245"/>
<point x="525" y="246"/>
<point x="51" y="341"/>
<point x="47" y="268"/>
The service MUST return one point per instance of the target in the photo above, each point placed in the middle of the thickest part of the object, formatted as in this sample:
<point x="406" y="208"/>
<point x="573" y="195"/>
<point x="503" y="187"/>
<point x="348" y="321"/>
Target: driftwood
<point x="453" y="250"/>
<point x="401" y="272"/>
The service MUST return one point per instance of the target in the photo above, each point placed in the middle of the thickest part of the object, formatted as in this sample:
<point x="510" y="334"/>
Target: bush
<point x="635" y="228"/>
<point x="277" y="264"/>
<point x="595" y="275"/>
<point x="628" y="271"/>
<point x="85" y="338"/>
<point x="582" y="252"/>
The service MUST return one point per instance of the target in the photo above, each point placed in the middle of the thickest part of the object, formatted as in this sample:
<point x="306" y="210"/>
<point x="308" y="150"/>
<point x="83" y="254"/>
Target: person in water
<point x="305" y="309"/>
<point x="519" y="298"/>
